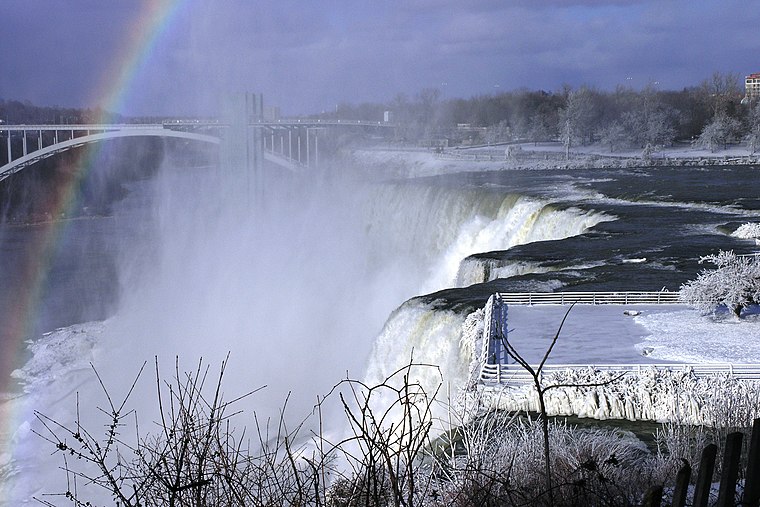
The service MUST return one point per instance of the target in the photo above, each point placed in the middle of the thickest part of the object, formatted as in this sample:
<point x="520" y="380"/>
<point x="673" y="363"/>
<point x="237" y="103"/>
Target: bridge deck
<point x="96" y="133"/>
<point x="185" y="124"/>
<point x="80" y="134"/>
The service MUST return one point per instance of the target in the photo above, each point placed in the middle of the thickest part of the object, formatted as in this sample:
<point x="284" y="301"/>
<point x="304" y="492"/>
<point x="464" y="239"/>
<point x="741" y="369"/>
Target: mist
<point x="297" y="285"/>
<point x="283" y="285"/>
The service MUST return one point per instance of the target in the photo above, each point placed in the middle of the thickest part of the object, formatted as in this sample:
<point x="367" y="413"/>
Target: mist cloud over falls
<point x="298" y="289"/>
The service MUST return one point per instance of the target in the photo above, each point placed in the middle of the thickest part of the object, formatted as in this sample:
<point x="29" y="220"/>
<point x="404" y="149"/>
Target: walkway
<point x="601" y="332"/>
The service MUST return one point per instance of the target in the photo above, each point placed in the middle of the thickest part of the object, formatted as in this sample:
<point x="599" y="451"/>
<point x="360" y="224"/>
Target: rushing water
<point x="314" y="283"/>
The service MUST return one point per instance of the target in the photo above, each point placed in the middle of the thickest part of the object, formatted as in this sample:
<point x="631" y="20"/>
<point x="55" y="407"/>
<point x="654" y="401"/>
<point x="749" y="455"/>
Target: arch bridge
<point x="290" y="143"/>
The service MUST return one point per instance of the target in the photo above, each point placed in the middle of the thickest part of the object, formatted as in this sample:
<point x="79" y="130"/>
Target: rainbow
<point x="150" y="26"/>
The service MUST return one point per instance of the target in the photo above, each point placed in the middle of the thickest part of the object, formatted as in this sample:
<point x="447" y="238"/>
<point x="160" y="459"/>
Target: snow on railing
<point x="590" y="298"/>
<point x="512" y="374"/>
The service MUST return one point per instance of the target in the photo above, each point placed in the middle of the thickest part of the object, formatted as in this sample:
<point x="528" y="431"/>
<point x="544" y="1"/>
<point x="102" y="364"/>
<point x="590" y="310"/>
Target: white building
<point x="752" y="86"/>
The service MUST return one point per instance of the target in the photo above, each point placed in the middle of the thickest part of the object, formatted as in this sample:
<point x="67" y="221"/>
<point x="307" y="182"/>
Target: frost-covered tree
<point x="750" y="230"/>
<point x="735" y="283"/>
<point x="539" y="127"/>
<point x="498" y="133"/>
<point x="650" y="123"/>
<point x="576" y="119"/>
<point x="659" y="128"/>
<point x="614" y="135"/>
<point x="754" y="139"/>
<point x="721" y="130"/>
<point x="754" y="129"/>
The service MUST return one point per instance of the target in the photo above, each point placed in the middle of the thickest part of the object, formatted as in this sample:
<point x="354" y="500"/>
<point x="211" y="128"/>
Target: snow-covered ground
<point x="425" y="162"/>
<point x="670" y="152"/>
<point x="686" y="336"/>
<point x="604" y="334"/>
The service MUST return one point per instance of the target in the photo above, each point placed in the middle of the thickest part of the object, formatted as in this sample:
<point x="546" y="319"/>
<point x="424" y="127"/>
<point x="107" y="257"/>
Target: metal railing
<point x="515" y="375"/>
<point x="590" y="298"/>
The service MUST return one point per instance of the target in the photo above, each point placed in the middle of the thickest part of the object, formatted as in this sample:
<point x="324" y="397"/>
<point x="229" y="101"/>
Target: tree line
<point x="712" y="114"/>
<point x="25" y="113"/>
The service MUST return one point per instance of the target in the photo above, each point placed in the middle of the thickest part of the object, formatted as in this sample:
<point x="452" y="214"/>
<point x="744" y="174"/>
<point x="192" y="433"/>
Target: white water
<point x="418" y="333"/>
<point x="439" y="227"/>
<point x="476" y="270"/>
<point x="527" y="221"/>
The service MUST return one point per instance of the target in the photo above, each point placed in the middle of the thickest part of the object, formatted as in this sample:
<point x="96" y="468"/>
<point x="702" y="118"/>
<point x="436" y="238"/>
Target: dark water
<point x="56" y="274"/>
<point x="80" y="278"/>
<point x="667" y="219"/>
<point x="50" y="280"/>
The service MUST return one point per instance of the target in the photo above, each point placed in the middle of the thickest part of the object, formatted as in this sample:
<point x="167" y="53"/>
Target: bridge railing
<point x="501" y="374"/>
<point x="592" y="298"/>
<point x="35" y="147"/>
<point x="287" y="122"/>
<point x="94" y="127"/>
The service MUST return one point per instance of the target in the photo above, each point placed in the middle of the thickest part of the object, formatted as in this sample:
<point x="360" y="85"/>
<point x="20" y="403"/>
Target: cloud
<point x="308" y="56"/>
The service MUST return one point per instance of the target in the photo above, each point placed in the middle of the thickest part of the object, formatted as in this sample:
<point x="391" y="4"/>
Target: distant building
<point x="387" y="116"/>
<point x="752" y="86"/>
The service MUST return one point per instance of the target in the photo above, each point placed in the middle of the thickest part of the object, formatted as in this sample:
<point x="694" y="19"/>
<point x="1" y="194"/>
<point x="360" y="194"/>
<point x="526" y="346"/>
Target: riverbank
<point x="412" y="162"/>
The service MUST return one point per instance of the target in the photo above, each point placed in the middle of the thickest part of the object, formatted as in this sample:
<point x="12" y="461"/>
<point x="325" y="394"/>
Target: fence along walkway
<point x="494" y="374"/>
<point x="513" y="374"/>
<point x="590" y="298"/>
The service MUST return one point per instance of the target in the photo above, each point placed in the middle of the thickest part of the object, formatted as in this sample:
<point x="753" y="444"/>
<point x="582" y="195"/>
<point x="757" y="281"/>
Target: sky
<point x="309" y="56"/>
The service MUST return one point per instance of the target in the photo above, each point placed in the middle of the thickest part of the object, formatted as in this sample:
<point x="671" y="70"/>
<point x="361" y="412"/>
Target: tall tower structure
<point x="242" y="146"/>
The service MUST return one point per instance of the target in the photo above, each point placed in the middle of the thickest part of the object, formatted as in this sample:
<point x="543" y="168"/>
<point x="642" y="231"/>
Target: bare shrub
<point x="390" y="455"/>
<point x="389" y="431"/>
<point x="197" y="456"/>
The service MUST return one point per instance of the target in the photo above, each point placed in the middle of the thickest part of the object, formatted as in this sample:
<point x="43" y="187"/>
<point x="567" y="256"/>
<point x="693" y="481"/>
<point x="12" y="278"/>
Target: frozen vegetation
<point x="547" y="155"/>
<point x="733" y="284"/>
<point x="750" y="230"/>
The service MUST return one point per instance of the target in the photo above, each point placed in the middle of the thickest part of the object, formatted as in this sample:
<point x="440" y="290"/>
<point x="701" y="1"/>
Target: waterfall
<point x="434" y="229"/>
